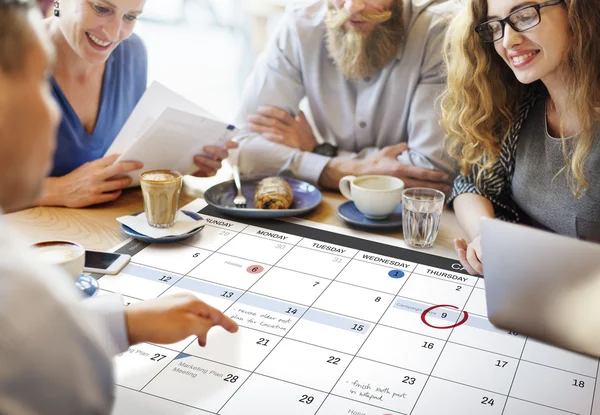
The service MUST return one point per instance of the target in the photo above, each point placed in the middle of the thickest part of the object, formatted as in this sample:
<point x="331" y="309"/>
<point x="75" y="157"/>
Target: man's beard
<point x="357" y="54"/>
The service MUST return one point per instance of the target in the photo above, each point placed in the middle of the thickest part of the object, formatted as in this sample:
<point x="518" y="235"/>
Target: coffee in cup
<point x="161" y="189"/>
<point x="69" y="256"/>
<point x="375" y="196"/>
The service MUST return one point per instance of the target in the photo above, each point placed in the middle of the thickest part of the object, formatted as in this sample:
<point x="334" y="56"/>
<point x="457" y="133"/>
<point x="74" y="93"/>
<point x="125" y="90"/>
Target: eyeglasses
<point x="520" y="20"/>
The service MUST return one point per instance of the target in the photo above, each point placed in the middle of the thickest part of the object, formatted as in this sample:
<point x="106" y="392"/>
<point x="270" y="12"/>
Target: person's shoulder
<point x="306" y="10"/>
<point x="133" y="46"/>
<point x="438" y="13"/>
<point x="302" y="25"/>
<point x="130" y="59"/>
<point x="305" y="15"/>
<point x="443" y="9"/>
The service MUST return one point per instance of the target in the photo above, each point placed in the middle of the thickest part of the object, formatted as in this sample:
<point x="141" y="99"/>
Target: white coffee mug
<point x="375" y="196"/>
<point x="69" y="256"/>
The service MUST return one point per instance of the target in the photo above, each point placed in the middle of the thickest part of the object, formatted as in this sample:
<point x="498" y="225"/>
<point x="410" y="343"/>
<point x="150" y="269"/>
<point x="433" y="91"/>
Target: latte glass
<point x="161" y="190"/>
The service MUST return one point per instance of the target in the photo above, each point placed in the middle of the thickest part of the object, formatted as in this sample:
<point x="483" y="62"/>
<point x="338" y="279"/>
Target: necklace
<point x="552" y="115"/>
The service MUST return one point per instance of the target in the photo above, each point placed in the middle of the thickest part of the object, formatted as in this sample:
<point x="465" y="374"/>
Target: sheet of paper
<point x="153" y="103"/>
<point x="173" y="140"/>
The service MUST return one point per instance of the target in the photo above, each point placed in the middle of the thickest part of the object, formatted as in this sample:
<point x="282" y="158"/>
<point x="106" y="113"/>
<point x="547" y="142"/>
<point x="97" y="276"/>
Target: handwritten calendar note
<point x="334" y="325"/>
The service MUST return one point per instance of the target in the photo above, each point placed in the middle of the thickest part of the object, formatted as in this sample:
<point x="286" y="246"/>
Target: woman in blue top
<point x="99" y="76"/>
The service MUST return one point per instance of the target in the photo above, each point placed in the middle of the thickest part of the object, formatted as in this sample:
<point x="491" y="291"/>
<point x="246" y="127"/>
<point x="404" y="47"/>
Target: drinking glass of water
<point x="421" y="213"/>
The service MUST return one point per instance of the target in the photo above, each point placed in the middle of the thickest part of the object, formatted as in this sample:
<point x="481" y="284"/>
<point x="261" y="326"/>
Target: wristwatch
<point x="326" y="149"/>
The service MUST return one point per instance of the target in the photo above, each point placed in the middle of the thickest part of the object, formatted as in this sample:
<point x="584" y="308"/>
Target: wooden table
<point x="96" y="228"/>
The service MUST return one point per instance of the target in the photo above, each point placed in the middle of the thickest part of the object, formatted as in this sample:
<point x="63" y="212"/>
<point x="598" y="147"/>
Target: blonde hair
<point x="481" y="101"/>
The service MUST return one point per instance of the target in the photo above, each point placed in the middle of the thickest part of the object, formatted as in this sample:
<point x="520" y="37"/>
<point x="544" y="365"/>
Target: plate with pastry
<point x="266" y="197"/>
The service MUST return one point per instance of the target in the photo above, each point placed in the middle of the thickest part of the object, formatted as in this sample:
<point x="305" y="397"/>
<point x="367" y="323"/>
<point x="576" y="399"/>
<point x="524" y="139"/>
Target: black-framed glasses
<point x="520" y="20"/>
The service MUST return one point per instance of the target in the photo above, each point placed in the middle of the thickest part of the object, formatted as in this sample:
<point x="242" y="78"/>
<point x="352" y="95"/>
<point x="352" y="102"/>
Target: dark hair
<point x="14" y="37"/>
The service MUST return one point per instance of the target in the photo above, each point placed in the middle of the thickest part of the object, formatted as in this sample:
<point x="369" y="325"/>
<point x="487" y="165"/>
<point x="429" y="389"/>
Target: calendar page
<point x="332" y="324"/>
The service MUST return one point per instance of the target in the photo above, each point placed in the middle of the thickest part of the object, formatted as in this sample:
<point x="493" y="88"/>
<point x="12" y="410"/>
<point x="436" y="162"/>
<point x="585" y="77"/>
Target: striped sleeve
<point x="493" y="187"/>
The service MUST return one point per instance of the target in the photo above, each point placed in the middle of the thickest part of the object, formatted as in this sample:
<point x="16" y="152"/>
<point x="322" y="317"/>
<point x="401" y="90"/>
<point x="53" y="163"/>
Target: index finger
<point x="218" y="153"/>
<point x="121" y="168"/>
<point x="460" y="243"/>
<point x="228" y="324"/>
<point x="462" y="256"/>
<point x="220" y="319"/>
<point x="394" y="150"/>
<point x="474" y="261"/>
<point x="215" y="316"/>
<point x="106" y="160"/>
<point x="277" y="113"/>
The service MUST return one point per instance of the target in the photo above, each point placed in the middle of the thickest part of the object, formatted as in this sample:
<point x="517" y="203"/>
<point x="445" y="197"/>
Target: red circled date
<point x="460" y="323"/>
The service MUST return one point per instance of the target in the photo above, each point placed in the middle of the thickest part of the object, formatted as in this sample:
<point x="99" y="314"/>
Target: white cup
<point x="69" y="256"/>
<point x="375" y="196"/>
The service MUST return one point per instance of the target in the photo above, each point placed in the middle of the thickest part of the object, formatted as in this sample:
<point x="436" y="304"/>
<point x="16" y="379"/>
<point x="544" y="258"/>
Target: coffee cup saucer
<point x="352" y="215"/>
<point x="167" y="239"/>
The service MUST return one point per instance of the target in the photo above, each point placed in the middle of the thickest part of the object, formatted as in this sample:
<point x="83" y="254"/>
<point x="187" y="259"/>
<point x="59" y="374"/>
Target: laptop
<point x="542" y="285"/>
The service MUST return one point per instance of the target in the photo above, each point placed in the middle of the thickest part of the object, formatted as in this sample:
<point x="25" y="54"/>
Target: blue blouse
<point x="124" y="83"/>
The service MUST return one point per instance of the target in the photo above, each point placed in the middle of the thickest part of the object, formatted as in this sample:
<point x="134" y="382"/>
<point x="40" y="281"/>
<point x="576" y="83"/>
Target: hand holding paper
<point x="165" y="131"/>
<point x="208" y="165"/>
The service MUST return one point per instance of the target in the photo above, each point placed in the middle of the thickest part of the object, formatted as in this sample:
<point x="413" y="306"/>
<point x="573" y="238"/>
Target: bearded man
<point x="371" y="71"/>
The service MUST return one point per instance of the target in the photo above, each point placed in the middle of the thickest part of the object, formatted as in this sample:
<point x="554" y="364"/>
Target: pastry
<point x="273" y="193"/>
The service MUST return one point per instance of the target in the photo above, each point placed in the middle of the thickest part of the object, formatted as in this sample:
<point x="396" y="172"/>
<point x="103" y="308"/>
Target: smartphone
<point x="105" y="262"/>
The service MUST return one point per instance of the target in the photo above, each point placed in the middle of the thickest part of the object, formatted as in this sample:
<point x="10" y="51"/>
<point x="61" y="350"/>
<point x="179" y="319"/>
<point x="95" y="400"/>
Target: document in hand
<point x="165" y="131"/>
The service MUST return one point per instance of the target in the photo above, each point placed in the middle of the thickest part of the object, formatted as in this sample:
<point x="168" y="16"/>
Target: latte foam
<point x="159" y="177"/>
<point x="58" y="253"/>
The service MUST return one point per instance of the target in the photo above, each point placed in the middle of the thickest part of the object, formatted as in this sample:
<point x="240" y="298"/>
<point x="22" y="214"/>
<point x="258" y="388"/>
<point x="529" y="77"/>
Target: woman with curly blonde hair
<point x="522" y="111"/>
